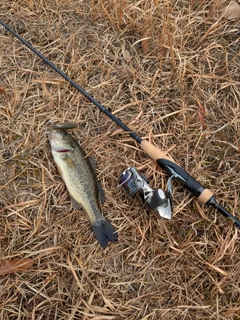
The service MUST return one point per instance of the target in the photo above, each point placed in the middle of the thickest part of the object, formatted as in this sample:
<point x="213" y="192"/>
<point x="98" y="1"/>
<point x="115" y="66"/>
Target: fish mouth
<point x="58" y="148"/>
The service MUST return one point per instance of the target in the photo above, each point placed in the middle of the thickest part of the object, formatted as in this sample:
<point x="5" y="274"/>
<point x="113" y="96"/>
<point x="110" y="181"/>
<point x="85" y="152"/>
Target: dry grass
<point x="180" y="89"/>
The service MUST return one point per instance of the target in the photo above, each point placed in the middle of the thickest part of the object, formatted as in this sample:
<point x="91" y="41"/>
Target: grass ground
<point x="170" y="71"/>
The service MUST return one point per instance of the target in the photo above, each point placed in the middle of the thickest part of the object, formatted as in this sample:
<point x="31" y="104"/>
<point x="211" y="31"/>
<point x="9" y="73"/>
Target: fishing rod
<point x="203" y="194"/>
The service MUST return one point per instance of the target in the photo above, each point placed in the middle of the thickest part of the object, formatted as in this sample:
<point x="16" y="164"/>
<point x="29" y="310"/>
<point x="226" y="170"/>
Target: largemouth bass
<point x="77" y="171"/>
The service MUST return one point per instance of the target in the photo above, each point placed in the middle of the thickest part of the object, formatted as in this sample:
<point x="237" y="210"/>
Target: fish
<point x="78" y="174"/>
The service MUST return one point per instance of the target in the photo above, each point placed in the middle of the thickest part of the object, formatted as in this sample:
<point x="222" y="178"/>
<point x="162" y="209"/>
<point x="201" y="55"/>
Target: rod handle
<point x="166" y="163"/>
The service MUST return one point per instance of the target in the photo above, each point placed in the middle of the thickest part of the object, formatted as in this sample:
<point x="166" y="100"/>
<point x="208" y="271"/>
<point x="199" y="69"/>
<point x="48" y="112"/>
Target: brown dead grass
<point x="180" y="89"/>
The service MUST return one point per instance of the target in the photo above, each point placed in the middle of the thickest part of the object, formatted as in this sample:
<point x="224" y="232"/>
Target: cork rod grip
<point x="153" y="151"/>
<point x="205" y="196"/>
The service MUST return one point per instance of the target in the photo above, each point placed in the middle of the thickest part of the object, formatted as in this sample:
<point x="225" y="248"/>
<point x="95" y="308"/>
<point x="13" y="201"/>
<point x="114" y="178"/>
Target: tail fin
<point x="104" y="232"/>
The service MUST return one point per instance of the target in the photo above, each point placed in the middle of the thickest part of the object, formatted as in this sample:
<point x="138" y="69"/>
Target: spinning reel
<point x="158" y="200"/>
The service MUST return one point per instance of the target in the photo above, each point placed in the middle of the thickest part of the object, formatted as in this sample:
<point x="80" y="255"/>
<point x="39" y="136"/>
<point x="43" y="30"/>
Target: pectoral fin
<point x="101" y="193"/>
<point x="93" y="163"/>
<point x="75" y="204"/>
<point x="59" y="170"/>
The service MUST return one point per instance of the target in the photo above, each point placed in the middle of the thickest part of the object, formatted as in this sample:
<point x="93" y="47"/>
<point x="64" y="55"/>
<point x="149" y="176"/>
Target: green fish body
<point x="78" y="174"/>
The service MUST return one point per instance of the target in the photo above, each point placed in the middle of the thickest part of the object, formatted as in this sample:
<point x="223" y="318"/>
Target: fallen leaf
<point x="202" y="110"/>
<point x="2" y="90"/>
<point x="126" y="55"/>
<point x="232" y="11"/>
<point x="145" y="42"/>
<point x="15" y="265"/>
